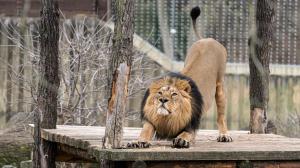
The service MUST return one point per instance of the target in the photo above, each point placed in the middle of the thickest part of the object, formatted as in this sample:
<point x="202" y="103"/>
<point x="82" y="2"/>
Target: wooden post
<point x="3" y="56"/>
<point x="9" y="71"/>
<point x="21" y="66"/>
<point x="108" y="15"/>
<point x="35" y="46"/>
<point x="46" y="114"/>
<point x="119" y="72"/>
<point x="260" y="48"/>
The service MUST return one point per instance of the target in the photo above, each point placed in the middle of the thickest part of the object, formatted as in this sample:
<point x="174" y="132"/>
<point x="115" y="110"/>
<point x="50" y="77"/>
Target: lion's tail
<point x="195" y="13"/>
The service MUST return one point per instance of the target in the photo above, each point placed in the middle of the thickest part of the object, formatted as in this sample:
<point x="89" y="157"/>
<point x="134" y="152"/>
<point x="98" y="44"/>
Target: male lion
<point x="172" y="106"/>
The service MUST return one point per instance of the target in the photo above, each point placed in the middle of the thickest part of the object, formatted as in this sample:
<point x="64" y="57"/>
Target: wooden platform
<point x="84" y="142"/>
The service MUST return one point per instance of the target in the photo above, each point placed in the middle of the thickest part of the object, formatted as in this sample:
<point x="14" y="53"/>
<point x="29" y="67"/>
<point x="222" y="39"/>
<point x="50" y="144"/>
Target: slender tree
<point x="260" y="48"/>
<point x="46" y="114"/>
<point x="119" y="71"/>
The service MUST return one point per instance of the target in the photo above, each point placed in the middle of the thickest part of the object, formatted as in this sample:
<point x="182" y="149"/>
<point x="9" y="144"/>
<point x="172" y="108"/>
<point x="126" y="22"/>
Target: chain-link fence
<point x="167" y="25"/>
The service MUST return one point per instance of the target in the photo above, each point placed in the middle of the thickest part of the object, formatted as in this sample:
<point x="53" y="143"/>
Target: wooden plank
<point x="275" y="69"/>
<point x="276" y="164"/>
<point x="67" y="153"/>
<point x="8" y="7"/>
<point x="245" y="146"/>
<point x="190" y="164"/>
<point x="156" y="154"/>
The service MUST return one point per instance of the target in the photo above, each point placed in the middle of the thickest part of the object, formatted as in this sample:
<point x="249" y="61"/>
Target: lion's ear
<point x="183" y="85"/>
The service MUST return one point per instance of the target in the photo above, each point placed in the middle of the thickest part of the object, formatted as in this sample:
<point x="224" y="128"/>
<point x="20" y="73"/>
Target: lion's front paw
<point x="180" y="143"/>
<point x="224" y="138"/>
<point x="138" y="144"/>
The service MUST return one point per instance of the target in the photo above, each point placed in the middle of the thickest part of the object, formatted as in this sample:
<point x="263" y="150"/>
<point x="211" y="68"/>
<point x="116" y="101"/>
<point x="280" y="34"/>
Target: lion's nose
<point x="163" y="100"/>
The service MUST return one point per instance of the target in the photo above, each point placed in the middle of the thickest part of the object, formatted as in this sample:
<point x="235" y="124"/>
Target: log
<point x="260" y="48"/>
<point x="117" y="107"/>
<point x="119" y="73"/>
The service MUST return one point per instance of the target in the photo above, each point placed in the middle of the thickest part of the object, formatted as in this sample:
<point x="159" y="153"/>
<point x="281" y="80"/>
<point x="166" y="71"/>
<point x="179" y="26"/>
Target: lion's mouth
<point x="163" y="111"/>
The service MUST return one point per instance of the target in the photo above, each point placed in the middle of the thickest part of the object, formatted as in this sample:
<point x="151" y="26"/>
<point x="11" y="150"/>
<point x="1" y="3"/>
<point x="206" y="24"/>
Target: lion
<point x="172" y="105"/>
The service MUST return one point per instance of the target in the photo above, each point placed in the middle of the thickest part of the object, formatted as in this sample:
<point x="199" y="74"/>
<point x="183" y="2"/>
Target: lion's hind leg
<point x="221" y="102"/>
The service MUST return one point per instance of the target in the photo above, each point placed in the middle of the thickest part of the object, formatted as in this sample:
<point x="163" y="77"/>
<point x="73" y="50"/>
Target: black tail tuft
<point x="195" y="13"/>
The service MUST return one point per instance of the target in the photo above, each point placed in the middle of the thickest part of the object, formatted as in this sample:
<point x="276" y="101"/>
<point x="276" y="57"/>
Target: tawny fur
<point x="169" y="125"/>
<point x="205" y="64"/>
<point x="181" y="115"/>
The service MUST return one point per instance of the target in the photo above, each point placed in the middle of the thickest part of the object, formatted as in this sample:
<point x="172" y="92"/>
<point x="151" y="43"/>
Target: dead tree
<point x="119" y="71"/>
<point x="260" y="48"/>
<point x="46" y="114"/>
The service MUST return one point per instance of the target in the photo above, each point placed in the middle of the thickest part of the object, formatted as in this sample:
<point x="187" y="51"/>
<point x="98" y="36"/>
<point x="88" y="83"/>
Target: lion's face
<point x="170" y="96"/>
<point x="172" y="103"/>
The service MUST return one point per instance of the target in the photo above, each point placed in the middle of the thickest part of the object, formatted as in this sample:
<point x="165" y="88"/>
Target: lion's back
<point x="206" y="63"/>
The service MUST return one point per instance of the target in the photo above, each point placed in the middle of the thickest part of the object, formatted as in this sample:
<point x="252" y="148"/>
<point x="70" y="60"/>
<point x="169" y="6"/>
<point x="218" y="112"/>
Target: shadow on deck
<point x="84" y="144"/>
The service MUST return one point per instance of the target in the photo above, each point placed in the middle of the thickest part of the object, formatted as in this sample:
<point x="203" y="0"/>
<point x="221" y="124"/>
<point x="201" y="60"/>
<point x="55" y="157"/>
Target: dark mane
<point x="143" y="104"/>
<point x="197" y="102"/>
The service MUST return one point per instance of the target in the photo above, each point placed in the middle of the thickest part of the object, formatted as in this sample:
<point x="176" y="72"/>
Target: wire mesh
<point x="230" y="22"/>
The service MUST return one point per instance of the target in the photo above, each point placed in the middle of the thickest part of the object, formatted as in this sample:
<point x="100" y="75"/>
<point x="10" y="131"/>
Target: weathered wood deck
<point x="84" y="142"/>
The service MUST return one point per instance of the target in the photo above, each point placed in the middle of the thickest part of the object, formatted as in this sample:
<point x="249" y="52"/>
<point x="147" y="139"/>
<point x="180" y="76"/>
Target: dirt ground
<point x="15" y="142"/>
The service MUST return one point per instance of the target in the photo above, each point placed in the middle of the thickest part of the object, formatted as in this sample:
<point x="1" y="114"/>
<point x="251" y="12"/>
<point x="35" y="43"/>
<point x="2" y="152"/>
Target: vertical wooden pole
<point x="35" y="42"/>
<point x="10" y="56"/>
<point x="260" y="48"/>
<point x="119" y="72"/>
<point x="2" y="56"/>
<point x="109" y="13"/>
<point x="46" y="114"/>
<point x="21" y="66"/>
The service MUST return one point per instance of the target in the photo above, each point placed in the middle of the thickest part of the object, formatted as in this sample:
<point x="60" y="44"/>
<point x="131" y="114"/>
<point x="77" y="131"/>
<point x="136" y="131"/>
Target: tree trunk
<point x="260" y="48"/>
<point x="46" y="114"/>
<point x="119" y="72"/>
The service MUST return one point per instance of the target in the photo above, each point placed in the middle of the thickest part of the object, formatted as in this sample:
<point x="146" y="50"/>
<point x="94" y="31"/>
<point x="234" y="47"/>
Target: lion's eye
<point x="174" y="94"/>
<point x="160" y="93"/>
